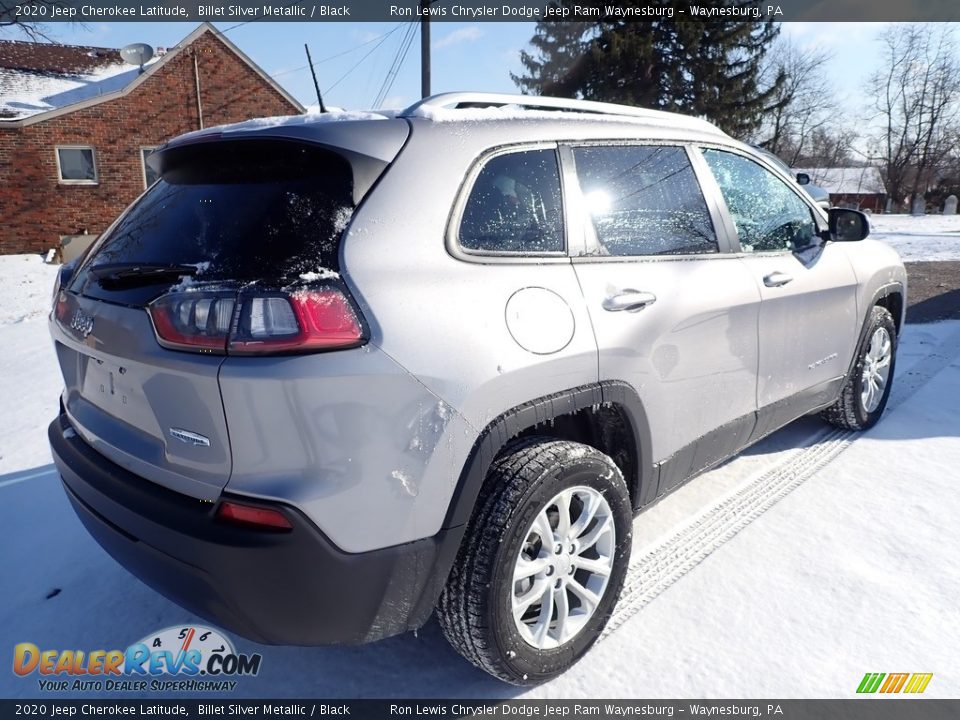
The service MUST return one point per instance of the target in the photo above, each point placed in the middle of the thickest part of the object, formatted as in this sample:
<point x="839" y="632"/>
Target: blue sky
<point x="466" y="56"/>
<point x="475" y="56"/>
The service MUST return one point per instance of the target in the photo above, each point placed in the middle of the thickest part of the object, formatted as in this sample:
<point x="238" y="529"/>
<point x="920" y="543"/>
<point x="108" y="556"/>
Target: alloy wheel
<point x="563" y="567"/>
<point x="876" y="369"/>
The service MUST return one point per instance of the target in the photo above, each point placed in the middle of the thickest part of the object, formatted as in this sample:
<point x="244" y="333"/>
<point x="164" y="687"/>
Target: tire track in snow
<point x="666" y="563"/>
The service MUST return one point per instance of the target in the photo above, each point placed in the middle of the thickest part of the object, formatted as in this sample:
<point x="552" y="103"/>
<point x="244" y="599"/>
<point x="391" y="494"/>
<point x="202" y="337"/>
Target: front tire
<point x="865" y="394"/>
<point x="542" y="562"/>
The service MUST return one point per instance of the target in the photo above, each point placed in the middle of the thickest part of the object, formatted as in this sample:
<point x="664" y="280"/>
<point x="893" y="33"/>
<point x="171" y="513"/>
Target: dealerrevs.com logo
<point x="175" y="659"/>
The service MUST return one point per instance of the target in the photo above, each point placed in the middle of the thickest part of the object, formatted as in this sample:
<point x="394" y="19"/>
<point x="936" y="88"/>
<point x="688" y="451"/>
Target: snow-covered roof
<point x="848" y="180"/>
<point x="37" y="79"/>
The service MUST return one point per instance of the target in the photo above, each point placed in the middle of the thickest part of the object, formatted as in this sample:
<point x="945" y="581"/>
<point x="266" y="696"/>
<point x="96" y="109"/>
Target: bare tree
<point x="803" y="105"/>
<point x="32" y="27"/>
<point x="917" y="93"/>
<point x="828" y="147"/>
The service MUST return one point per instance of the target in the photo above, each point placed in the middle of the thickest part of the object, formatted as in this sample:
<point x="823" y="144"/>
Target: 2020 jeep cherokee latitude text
<point x="326" y="377"/>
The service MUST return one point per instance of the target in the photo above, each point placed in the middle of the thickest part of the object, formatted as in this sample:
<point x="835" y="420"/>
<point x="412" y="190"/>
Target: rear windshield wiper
<point x="140" y="273"/>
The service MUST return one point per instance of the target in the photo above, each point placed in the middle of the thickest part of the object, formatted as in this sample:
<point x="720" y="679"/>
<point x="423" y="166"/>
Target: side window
<point x="515" y="206"/>
<point x="768" y="214"/>
<point x="644" y="200"/>
<point x="150" y="175"/>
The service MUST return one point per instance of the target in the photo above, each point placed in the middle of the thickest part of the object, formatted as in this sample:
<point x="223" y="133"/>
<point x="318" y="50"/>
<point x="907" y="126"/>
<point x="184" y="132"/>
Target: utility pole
<point x="424" y="48"/>
<point x="315" y="83"/>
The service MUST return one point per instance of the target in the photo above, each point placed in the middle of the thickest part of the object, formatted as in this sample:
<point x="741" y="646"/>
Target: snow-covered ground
<point x="29" y="376"/>
<point x="929" y="237"/>
<point x="811" y="559"/>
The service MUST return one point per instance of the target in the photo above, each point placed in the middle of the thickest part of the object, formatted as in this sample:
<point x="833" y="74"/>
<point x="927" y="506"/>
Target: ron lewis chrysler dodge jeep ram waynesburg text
<point x="332" y="374"/>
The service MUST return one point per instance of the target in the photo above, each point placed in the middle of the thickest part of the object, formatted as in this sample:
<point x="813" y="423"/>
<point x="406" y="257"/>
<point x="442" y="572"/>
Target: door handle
<point x="776" y="279"/>
<point x="629" y="300"/>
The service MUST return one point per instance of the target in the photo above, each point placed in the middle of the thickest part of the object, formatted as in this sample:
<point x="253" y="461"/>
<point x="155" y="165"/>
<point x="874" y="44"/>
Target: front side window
<point x="768" y="214"/>
<point x="77" y="164"/>
<point x="515" y="206"/>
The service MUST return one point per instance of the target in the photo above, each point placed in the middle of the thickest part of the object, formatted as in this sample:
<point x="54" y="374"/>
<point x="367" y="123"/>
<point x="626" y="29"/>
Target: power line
<point x="360" y="61"/>
<point x="234" y="27"/>
<point x="379" y="40"/>
<point x="345" y="52"/>
<point x="395" y="66"/>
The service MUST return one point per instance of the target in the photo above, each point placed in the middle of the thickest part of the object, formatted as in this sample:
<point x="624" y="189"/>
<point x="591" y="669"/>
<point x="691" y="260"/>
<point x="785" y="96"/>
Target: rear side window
<point x="515" y="206"/>
<point x="644" y="200"/>
<point x="243" y="210"/>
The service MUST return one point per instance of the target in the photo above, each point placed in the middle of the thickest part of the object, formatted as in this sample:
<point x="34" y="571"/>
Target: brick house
<point x="76" y="123"/>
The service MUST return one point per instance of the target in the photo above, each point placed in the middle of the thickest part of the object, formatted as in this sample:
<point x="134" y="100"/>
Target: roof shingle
<point x="54" y="59"/>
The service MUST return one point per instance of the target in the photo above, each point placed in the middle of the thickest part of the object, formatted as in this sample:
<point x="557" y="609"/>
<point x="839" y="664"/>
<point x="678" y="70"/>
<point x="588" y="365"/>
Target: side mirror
<point x="803" y="179"/>
<point x="848" y="225"/>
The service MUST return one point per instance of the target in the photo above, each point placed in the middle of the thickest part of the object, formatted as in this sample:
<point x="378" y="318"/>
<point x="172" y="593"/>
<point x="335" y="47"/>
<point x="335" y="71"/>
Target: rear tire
<point x="865" y="394"/>
<point x="530" y="592"/>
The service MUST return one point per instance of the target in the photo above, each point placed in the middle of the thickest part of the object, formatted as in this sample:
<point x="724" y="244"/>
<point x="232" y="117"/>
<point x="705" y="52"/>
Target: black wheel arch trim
<point x="894" y="288"/>
<point x="508" y="425"/>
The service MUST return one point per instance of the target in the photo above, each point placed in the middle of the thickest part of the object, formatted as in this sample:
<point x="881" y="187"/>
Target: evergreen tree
<point x="559" y="46"/>
<point x="709" y="69"/>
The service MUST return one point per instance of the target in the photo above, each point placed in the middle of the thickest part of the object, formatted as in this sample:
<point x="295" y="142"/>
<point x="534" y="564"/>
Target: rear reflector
<point x="264" y="518"/>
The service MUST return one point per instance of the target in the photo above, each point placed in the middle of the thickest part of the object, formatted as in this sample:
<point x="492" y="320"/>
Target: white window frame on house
<point x="143" y="161"/>
<point x="96" y="170"/>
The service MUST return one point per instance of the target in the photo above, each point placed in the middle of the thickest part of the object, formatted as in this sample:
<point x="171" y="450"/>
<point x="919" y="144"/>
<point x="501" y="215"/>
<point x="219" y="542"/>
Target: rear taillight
<point x="302" y="321"/>
<point x="61" y="308"/>
<point x="264" y="518"/>
<point x="256" y="323"/>
<point x="197" y="321"/>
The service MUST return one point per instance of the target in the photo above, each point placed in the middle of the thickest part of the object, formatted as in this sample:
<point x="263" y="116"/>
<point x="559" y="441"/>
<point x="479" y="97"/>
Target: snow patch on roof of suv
<point x="307" y="119"/>
<point x="519" y="112"/>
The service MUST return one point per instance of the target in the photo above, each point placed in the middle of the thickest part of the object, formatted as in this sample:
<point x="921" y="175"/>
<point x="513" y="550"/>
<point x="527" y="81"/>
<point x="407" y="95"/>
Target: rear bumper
<point x="285" y="588"/>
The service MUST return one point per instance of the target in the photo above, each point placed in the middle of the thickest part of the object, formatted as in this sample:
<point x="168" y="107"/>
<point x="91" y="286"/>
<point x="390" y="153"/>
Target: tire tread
<point x="843" y="413"/>
<point x="460" y="610"/>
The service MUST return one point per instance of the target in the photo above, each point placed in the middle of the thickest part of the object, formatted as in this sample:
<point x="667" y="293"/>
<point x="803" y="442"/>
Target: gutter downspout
<point x="196" y="75"/>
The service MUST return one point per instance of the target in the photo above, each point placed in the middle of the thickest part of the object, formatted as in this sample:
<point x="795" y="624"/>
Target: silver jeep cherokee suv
<point x="324" y="378"/>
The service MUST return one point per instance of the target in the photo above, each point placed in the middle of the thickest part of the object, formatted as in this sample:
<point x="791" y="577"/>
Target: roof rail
<point x="466" y="100"/>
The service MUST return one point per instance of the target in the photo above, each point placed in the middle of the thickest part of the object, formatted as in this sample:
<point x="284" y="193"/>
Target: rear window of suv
<point x="240" y="211"/>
